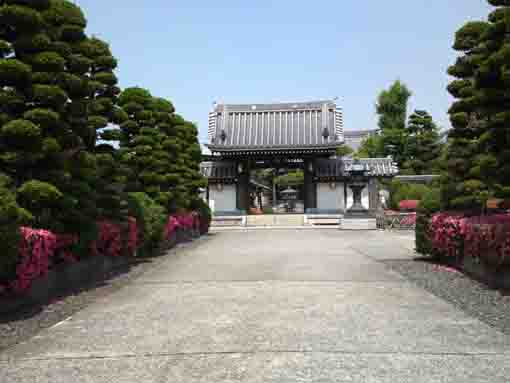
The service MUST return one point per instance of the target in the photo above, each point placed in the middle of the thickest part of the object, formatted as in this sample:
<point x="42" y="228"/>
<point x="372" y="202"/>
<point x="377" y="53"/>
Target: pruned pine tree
<point x="146" y="143"/>
<point x="57" y="90"/>
<point x="492" y="97"/>
<point x="423" y="146"/>
<point x="464" y="186"/>
<point x="391" y="108"/>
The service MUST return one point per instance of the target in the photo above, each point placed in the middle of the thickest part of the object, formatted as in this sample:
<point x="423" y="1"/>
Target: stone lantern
<point x="358" y="182"/>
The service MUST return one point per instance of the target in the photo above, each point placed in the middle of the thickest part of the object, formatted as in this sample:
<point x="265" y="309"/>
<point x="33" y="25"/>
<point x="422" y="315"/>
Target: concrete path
<point x="268" y="306"/>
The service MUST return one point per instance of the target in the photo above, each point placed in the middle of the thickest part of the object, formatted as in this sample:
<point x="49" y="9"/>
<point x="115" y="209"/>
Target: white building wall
<point x="330" y="198"/>
<point x="365" y="199"/>
<point x="224" y="199"/>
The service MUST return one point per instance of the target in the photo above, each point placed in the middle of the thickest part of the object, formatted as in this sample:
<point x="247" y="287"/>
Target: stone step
<point x="358" y="224"/>
<point x="275" y="220"/>
<point x="234" y="221"/>
<point x="323" y="219"/>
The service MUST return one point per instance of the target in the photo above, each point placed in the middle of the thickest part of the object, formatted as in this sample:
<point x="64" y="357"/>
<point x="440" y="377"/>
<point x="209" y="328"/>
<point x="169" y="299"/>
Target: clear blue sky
<point x="197" y="52"/>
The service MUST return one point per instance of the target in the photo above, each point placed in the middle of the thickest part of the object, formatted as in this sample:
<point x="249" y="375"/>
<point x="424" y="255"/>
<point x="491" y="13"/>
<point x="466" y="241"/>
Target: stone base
<point x="358" y="214"/>
<point x="220" y="221"/>
<point x="353" y="223"/>
<point x="275" y="220"/>
<point x="323" y="219"/>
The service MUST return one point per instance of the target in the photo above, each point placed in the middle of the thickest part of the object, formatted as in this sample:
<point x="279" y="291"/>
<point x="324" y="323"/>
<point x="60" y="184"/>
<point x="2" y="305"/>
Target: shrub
<point x="42" y="199"/>
<point x="151" y="218"/>
<point x="133" y="236"/>
<point x="429" y="204"/>
<point x="11" y="217"/>
<point x="171" y="226"/>
<point x="35" y="251"/>
<point x="109" y="241"/>
<point x="446" y="235"/>
<point x="268" y="210"/>
<point x="487" y="238"/>
<point x="404" y="191"/>
<point x="205" y="214"/>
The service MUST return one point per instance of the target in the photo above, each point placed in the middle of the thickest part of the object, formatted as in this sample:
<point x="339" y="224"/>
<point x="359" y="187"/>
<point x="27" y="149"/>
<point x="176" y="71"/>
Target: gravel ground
<point x="474" y="298"/>
<point x="24" y="325"/>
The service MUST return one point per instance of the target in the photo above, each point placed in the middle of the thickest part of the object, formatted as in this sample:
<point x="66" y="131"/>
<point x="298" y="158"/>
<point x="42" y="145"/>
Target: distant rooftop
<point x="205" y="150"/>
<point x="278" y="106"/>
<point x="354" y="138"/>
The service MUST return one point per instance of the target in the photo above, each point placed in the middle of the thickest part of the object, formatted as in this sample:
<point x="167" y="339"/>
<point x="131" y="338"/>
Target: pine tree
<point x="492" y="84"/>
<point x="160" y="148"/>
<point x="147" y="143"/>
<point x="423" y="146"/>
<point x="481" y="135"/>
<point x="371" y="147"/>
<point x="31" y="104"/>
<point x="57" y="91"/>
<point x="392" y="110"/>
<point x="90" y="189"/>
<point x="188" y="164"/>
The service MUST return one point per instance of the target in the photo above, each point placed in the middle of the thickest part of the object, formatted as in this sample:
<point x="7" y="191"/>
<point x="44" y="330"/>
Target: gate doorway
<point x="277" y="191"/>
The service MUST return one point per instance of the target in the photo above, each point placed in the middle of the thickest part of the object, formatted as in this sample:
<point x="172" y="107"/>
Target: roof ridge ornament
<point x="223" y="135"/>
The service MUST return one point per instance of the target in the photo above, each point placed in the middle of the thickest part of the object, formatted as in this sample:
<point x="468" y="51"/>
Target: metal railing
<point x="390" y="220"/>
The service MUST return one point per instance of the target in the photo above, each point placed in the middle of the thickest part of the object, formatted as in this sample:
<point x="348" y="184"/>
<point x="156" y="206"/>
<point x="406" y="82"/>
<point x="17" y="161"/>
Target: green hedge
<point x="151" y="218"/>
<point x="205" y="213"/>
<point x="11" y="217"/>
<point x="404" y="191"/>
<point x="429" y="204"/>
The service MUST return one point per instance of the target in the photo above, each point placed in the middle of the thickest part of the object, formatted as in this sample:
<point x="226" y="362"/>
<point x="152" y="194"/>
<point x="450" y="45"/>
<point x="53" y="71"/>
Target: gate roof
<point x="306" y="127"/>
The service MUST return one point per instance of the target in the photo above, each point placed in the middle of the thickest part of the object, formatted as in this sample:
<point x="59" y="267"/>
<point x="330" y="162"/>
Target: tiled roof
<point x="337" y="168"/>
<point x="323" y="169"/>
<point x="275" y="126"/>
<point x="358" y="133"/>
<point x="378" y="167"/>
<point x="218" y="170"/>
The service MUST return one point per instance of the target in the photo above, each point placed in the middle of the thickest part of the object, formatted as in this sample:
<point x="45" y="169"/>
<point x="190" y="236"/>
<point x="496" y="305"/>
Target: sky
<point x="197" y="52"/>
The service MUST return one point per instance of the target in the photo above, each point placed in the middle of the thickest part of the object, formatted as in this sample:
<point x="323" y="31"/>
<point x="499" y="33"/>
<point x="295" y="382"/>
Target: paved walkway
<point x="268" y="306"/>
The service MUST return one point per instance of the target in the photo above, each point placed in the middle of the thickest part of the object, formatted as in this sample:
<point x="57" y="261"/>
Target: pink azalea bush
<point x="196" y="221"/>
<point x="40" y="250"/>
<point x="171" y="227"/>
<point x="133" y="235"/>
<point x="488" y="237"/>
<point x="483" y="237"/>
<point x="186" y="221"/>
<point x="64" y="243"/>
<point x="109" y="241"/>
<point x="35" y="250"/>
<point x="445" y="233"/>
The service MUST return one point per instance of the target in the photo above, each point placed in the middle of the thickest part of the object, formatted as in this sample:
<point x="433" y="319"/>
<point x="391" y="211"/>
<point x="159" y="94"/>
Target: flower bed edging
<point x="62" y="280"/>
<point x="183" y="235"/>
<point x="482" y="272"/>
<point x="71" y="276"/>
<point x="37" y="282"/>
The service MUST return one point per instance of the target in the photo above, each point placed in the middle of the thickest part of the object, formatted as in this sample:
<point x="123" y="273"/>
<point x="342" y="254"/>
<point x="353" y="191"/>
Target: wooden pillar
<point x="243" y="186"/>
<point x="310" y="186"/>
<point x="373" y="194"/>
